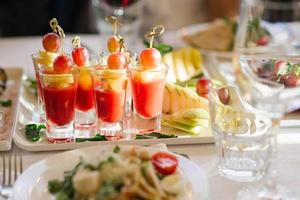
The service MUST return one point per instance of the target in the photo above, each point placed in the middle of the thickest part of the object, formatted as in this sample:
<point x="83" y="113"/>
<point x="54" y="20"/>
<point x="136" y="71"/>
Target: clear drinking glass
<point x="128" y="127"/>
<point x="267" y="43"/>
<point x="41" y="60"/>
<point x="85" y="117"/>
<point x="242" y="135"/>
<point x="110" y="93"/>
<point x="147" y="90"/>
<point x="59" y="92"/>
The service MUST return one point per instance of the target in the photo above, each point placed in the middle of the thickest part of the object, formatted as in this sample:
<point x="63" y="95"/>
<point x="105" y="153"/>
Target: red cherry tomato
<point x="116" y="61"/>
<point x="80" y="56"/>
<point x="203" y="86"/>
<point x="150" y="58"/>
<point x="263" y="41"/>
<point x="290" y="80"/>
<point x="165" y="163"/>
<point x="278" y="65"/>
<point x="113" y="44"/>
<point x="51" y="42"/>
<point x="62" y="64"/>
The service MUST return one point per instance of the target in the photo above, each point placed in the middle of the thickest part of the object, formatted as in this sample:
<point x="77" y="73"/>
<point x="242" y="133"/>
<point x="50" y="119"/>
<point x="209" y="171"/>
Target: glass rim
<point x="110" y="72"/>
<point x="269" y="56"/>
<point x="91" y="64"/>
<point x="72" y="72"/>
<point x="212" y="98"/>
<point x="269" y="4"/>
<point x="247" y="136"/>
<point x="214" y="90"/>
<point x="37" y="54"/>
<point x="284" y="93"/>
<point x="133" y="67"/>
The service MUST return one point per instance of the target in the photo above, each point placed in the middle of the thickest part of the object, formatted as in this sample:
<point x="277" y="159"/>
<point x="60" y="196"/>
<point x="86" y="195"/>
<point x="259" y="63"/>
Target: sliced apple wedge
<point x="179" y="66"/>
<point x="167" y="100"/>
<point x="171" y="76"/>
<point x="187" y="59"/>
<point x="197" y="59"/>
<point x="184" y="64"/>
<point x="184" y="127"/>
<point x="175" y="95"/>
<point x="182" y="98"/>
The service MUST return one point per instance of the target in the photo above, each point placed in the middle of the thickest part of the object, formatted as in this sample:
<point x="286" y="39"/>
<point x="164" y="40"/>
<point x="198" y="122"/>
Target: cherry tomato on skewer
<point x="51" y="42"/>
<point x="62" y="64"/>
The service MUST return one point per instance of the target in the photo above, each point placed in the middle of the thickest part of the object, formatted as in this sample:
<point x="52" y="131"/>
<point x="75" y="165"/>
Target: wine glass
<point x="266" y="59"/>
<point x="129" y="14"/>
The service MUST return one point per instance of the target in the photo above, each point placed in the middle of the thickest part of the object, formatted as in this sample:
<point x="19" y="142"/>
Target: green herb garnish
<point x="191" y="82"/>
<point x="293" y="69"/>
<point x="64" y="190"/>
<point x="162" y="48"/>
<point x="6" y="103"/>
<point x="117" y="149"/>
<point x="55" y="186"/>
<point x="255" y="31"/>
<point x="97" y="137"/>
<point x="34" y="132"/>
<point x="154" y="135"/>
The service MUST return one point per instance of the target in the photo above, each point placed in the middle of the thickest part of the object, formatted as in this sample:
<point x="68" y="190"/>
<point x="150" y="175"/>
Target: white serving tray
<point x="12" y="92"/>
<point x="27" y="114"/>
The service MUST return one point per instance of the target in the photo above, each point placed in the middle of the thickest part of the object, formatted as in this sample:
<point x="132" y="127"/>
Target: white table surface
<point x="17" y="51"/>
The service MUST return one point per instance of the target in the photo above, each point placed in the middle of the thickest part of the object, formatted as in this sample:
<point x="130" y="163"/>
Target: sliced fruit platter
<point x="116" y="97"/>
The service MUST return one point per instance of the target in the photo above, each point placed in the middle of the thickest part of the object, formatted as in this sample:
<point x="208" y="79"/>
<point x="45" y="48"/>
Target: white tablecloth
<point x="17" y="51"/>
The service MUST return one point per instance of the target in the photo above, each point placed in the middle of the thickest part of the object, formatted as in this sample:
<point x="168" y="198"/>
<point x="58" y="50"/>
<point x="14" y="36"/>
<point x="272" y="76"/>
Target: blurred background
<point x="30" y="17"/>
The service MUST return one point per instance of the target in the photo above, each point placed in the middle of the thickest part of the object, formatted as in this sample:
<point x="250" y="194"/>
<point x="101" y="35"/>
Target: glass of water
<point x="242" y="135"/>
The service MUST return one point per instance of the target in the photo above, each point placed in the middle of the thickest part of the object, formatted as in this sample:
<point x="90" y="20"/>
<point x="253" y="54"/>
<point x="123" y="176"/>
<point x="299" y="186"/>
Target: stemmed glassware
<point x="128" y="11"/>
<point x="266" y="60"/>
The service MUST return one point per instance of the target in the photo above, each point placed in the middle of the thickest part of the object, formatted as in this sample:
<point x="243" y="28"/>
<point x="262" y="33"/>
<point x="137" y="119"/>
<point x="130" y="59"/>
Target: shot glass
<point x="110" y="93"/>
<point x="147" y="90"/>
<point x="242" y="135"/>
<point x="41" y="60"/>
<point x="59" y="93"/>
<point x="128" y="126"/>
<point x="85" y="117"/>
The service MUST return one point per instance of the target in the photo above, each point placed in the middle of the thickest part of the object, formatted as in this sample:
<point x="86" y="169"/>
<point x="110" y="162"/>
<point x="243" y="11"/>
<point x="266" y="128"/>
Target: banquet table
<point x="15" y="52"/>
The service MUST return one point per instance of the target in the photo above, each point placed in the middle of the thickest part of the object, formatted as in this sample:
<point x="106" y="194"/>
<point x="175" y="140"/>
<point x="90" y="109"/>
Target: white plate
<point x="175" y="38"/>
<point x="12" y="92"/>
<point x="32" y="184"/>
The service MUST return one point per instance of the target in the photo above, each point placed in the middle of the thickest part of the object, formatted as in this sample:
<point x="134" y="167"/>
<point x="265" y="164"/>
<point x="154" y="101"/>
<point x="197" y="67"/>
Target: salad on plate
<point x="123" y="173"/>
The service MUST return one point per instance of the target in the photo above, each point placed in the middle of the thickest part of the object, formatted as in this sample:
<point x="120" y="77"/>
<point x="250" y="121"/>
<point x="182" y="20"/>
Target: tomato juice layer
<point x="110" y="104"/>
<point x="60" y="103"/>
<point x="148" y="95"/>
<point x="85" y="98"/>
<point x="85" y="91"/>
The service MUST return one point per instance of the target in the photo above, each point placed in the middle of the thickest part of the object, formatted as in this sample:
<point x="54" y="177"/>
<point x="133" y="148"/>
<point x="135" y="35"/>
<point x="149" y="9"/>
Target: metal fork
<point x="12" y="167"/>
